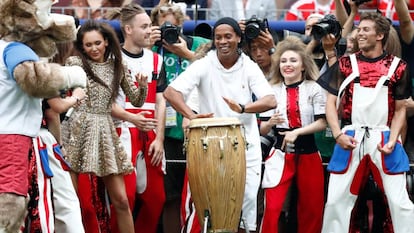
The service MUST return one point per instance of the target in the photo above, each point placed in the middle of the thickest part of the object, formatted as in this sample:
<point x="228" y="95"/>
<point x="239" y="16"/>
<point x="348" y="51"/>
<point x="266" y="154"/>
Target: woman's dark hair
<point x="112" y="51"/>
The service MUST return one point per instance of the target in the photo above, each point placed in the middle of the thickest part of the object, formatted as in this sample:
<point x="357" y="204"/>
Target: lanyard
<point x="177" y="64"/>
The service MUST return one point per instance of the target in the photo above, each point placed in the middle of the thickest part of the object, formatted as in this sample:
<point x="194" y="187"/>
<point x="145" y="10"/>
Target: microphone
<point x="69" y="113"/>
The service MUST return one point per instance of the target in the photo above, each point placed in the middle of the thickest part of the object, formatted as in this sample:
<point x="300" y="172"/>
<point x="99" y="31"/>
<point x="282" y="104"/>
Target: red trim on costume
<point x="152" y="91"/>
<point x="59" y="156"/>
<point x="292" y="108"/>
<point x="46" y="201"/>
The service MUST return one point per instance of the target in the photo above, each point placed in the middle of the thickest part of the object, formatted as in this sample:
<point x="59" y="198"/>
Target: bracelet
<point x="337" y="136"/>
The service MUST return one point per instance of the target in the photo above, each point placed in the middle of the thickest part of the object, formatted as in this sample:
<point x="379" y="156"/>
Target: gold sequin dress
<point x="89" y="136"/>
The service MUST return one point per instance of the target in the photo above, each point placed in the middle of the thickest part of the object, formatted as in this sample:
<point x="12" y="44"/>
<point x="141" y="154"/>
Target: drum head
<point x="214" y="121"/>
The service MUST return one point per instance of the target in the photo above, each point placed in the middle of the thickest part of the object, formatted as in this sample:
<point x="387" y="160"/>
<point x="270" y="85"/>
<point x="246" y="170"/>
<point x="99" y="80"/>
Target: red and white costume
<point x="40" y="207"/>
<point x="148" y="181"/>
<point x="368" y="102"/>
<point x="300" y="103"/>
<point x="301" y="9"/>
<point x="54" y="204"/>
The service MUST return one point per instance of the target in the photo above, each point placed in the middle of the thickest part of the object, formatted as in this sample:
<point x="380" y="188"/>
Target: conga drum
<point x="216" y="166"/>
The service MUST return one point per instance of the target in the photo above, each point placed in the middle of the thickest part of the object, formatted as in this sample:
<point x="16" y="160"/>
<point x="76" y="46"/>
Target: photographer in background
<point x="324" y="31"/>
<point x="260" y="46"/>
<point x="260" y="42"/>
<point x="177" y="51"/>
<point x="317" y="27"/>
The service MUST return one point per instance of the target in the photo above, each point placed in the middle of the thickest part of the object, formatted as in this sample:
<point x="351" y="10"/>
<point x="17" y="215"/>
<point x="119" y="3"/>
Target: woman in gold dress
<point x="89" y="135"/>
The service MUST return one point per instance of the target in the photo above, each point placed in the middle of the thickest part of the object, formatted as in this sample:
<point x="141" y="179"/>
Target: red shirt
<point x="388" y="10"/>
<point x="301" y="9"/>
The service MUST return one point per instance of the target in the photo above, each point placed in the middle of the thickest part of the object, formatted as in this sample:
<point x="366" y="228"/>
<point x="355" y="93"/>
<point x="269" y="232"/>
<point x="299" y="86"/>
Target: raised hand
<point x="142" y="79"/>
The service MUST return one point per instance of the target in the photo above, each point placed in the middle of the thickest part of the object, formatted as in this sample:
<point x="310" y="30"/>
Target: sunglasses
<point x="169" y="9"/>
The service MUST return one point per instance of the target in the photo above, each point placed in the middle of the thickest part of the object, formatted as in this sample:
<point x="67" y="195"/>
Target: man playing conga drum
<point x="226" y="79"/>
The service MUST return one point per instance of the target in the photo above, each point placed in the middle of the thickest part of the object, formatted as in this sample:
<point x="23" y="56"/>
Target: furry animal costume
<point x="27" y="31"/>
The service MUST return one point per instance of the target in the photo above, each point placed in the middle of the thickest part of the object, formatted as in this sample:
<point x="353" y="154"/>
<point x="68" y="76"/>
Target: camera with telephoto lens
<point x="267" y="142"/>
<point x="253" y="27"/>
<point x="328" y="24"/>
<point x="169" y="33"/>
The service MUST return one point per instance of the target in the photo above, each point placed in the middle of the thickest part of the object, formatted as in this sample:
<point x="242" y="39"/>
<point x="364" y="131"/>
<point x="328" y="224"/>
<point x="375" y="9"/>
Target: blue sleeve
<point x="16" y="53"/>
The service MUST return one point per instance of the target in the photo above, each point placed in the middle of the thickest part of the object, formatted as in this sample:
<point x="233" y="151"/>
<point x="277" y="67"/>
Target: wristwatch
<point x="272" y="50"/>
<point x="242" y="108"/>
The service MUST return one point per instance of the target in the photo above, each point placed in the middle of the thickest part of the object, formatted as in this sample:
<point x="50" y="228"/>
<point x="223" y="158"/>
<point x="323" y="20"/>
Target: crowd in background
<point x="238" y="9"/>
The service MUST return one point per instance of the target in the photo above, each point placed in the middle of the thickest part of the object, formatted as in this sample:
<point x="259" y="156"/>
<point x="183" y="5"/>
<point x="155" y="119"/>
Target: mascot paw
<point x="63" y="29"/>
<point x="75" y="76"/>
<point x="63" y="20"/>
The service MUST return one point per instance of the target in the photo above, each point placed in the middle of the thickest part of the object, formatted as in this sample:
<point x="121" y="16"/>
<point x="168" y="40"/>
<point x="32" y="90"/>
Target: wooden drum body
<point x="216" y="167"/>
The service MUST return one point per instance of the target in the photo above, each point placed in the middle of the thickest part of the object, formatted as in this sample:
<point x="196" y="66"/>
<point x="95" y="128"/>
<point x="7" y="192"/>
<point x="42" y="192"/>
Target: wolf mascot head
<point x="30" y="22"/>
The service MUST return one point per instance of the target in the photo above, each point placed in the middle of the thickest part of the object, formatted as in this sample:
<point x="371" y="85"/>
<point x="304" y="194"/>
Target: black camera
<point x="328" y="24"/>
<point x="169" y="33"/>
<point x="267" y="142"/>
<point x="253" y="27"/>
